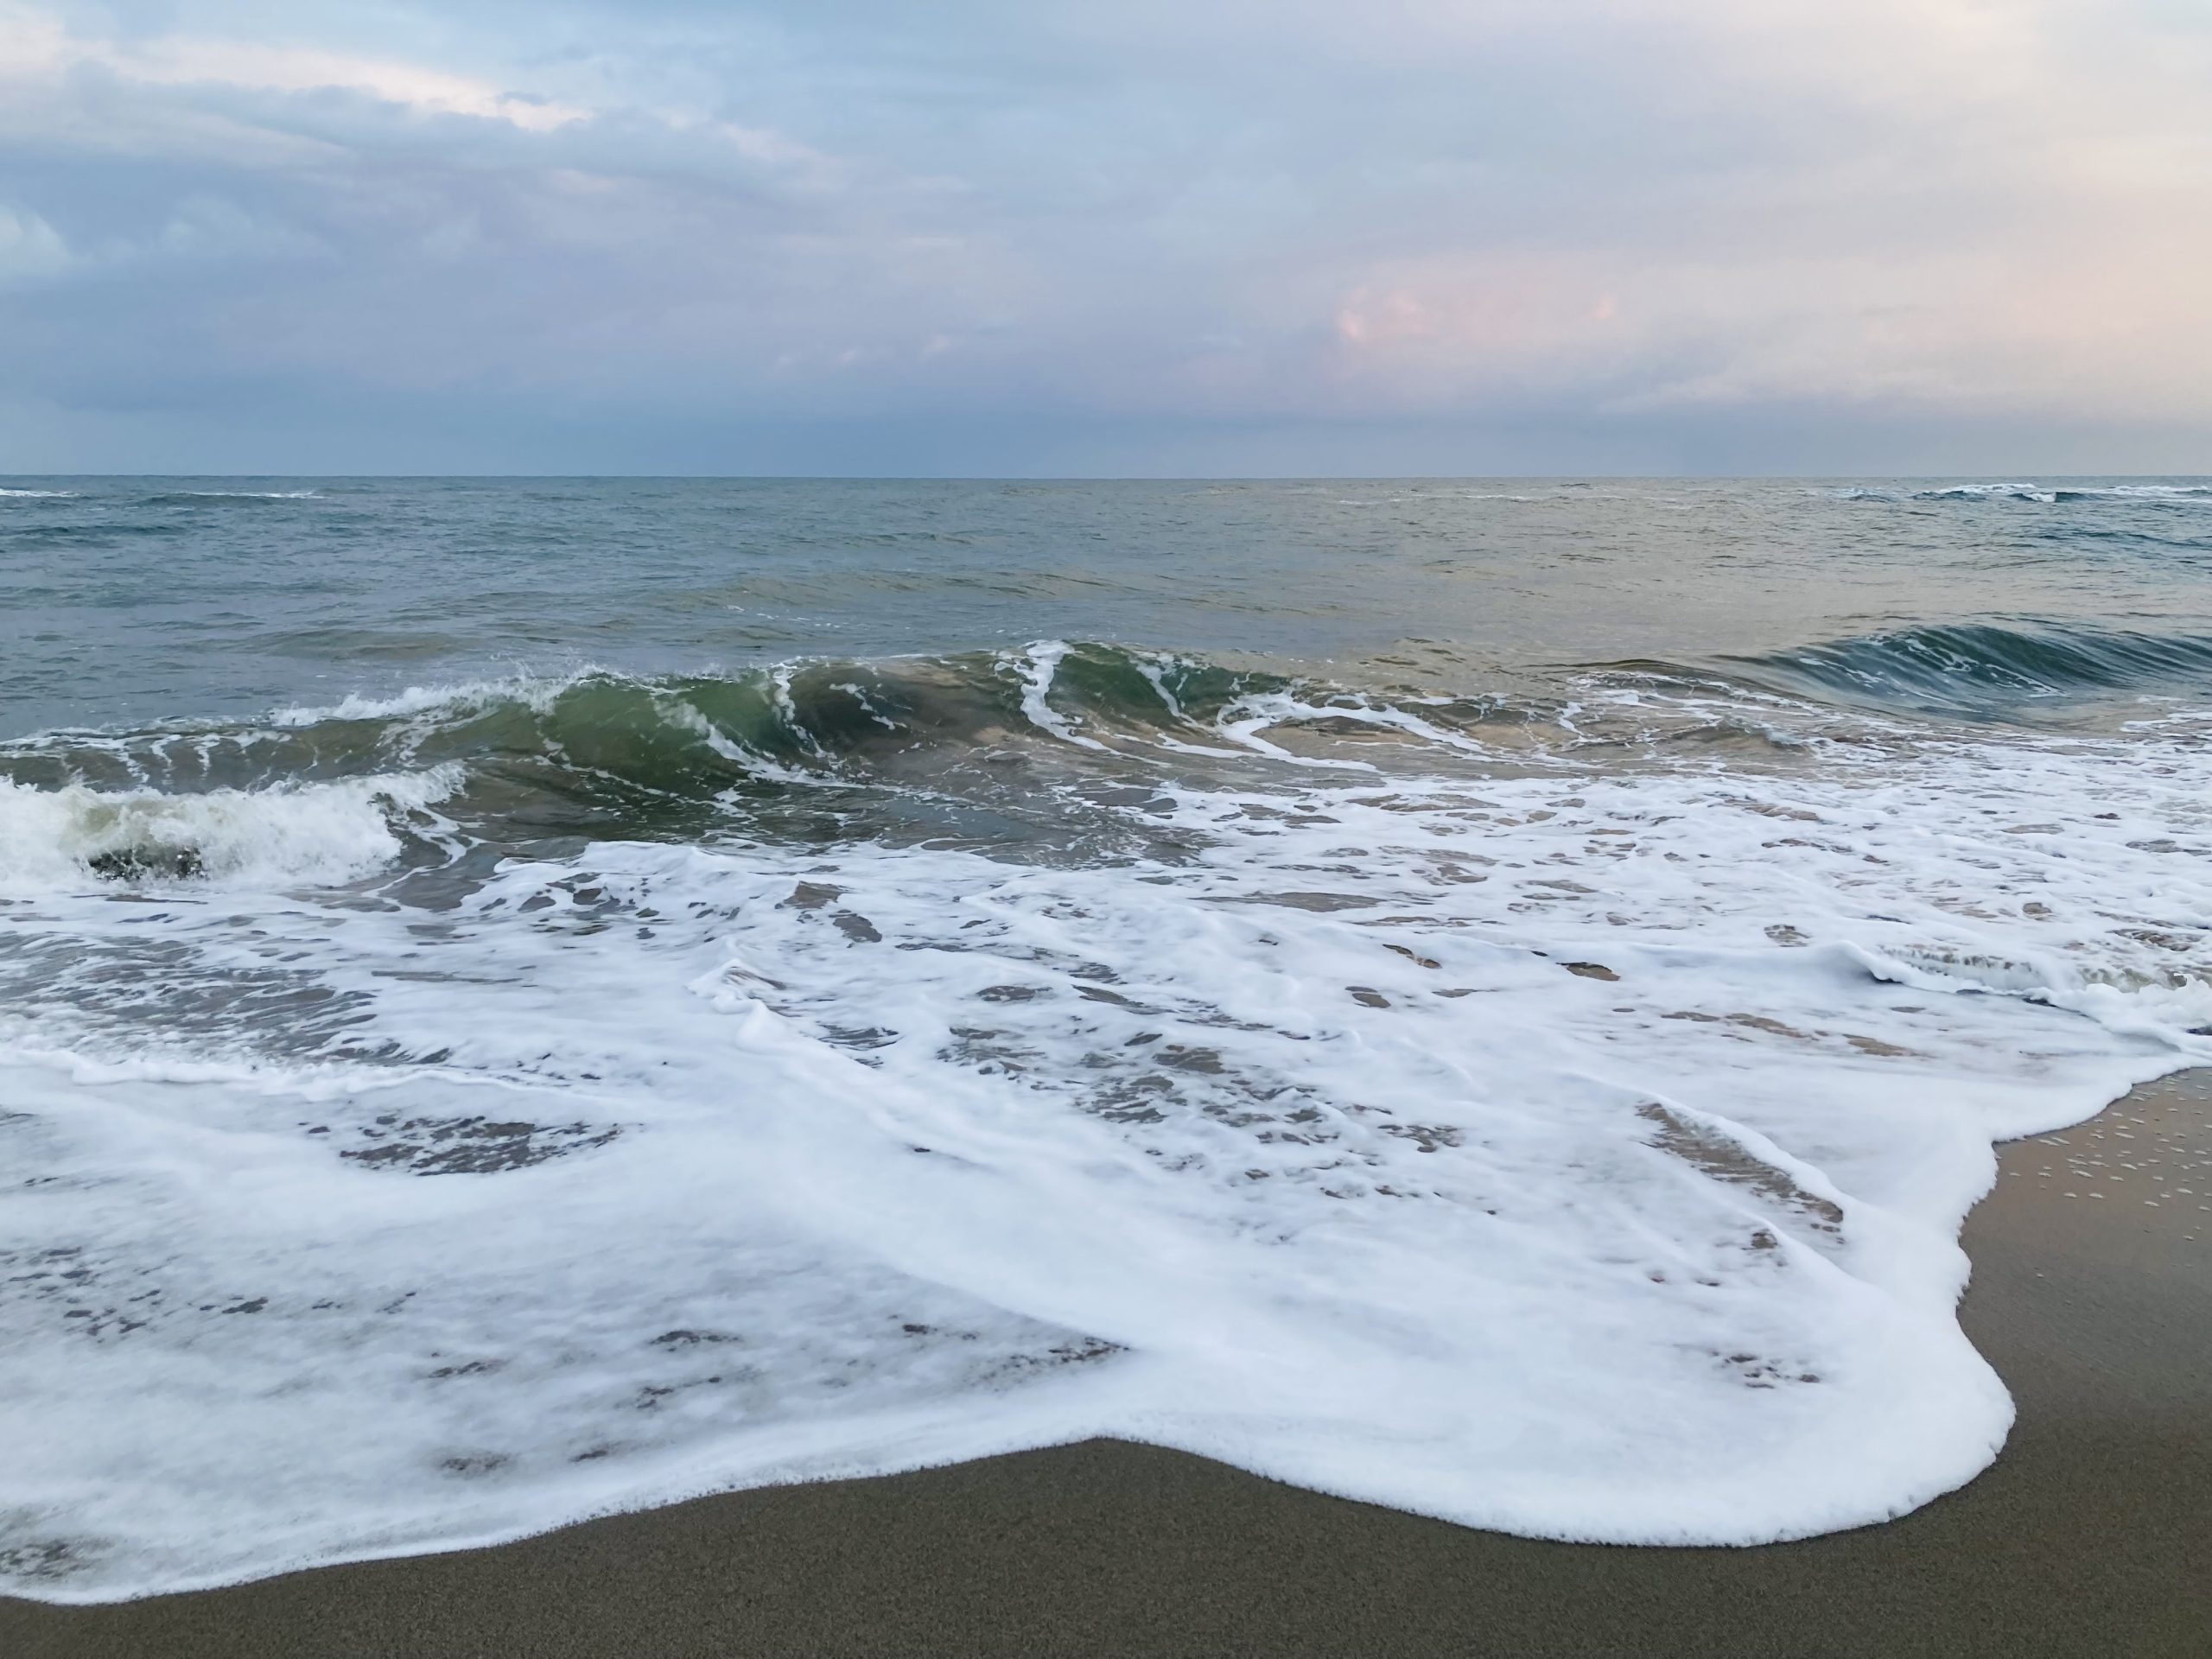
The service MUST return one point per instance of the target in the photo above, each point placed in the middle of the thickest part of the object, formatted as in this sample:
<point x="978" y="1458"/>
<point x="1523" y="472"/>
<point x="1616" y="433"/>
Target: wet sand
<point x="2092" y="1534"/>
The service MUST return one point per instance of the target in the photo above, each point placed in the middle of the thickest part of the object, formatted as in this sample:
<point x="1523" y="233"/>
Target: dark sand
<point x="2092" y="1534"/>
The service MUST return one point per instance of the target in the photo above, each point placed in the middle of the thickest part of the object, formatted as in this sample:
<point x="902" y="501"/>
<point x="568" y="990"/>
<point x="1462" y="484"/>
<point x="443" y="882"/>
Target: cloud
<point x="37" y="46"/>
<point x="1612" y="222"/>
<point x="29" y="248"/>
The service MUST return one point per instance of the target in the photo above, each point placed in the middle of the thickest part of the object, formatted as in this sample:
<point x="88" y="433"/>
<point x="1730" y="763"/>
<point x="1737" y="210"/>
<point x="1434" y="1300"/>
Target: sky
<point x="1025" y="237"/>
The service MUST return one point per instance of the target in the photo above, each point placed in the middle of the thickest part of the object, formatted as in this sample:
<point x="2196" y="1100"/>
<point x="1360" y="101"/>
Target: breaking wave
<point x="317" y="834"/>
<point x="598" y="740"/>
<point x="1985" y="668"/>
<point x="495" y="1104"/>
<point x="949" y="745"/>
<point x="196" y="498"/>
<point x="2048" y="493"/>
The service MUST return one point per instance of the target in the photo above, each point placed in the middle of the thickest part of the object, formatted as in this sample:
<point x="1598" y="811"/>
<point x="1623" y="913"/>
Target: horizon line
<point x="1129" y="478"/>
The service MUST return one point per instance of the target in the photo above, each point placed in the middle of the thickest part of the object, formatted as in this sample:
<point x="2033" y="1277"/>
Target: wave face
<point x="448" y="1092"/>
<point x="1983" y="668"/>
<point x="600" y="753"/>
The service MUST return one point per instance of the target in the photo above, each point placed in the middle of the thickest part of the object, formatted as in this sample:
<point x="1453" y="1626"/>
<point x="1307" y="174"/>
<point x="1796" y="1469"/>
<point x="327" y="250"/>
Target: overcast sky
<point x="1129" y="236"/>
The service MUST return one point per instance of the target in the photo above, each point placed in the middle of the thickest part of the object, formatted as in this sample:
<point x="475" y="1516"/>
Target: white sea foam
<point x="1974" y="492"/>
<point x="42" y="495"/>
<point x="456" y="699"/>
<point x="2047" y="493"/>
<point x="227" y="838"/>
<point x="1035" y="667"/>
<point x="1578" y="1152"/>
<point x="2155" y="492"/>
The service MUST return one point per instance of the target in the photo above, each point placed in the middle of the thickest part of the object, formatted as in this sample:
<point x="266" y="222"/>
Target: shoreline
<point x="2089" y="1534"/>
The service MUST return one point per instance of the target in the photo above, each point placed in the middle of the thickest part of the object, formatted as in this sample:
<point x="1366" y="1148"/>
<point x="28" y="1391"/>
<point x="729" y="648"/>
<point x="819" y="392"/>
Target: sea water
<point x="520" y="999"/>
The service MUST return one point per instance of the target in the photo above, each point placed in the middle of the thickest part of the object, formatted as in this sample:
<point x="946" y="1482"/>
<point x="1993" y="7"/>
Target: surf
<point x="485" y="1105"/>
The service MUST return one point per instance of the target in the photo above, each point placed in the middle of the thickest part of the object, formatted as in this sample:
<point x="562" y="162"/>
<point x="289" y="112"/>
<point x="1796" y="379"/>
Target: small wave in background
<point x="581" y="1002"/>
<point x="1993" y="671"/>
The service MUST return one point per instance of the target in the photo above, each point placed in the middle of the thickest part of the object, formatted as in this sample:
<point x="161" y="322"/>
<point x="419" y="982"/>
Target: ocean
<point x="526" y="998"/>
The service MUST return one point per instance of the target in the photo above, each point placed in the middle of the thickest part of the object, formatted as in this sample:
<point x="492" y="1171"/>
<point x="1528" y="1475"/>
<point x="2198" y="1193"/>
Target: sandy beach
<point x="2091" y="1294"/>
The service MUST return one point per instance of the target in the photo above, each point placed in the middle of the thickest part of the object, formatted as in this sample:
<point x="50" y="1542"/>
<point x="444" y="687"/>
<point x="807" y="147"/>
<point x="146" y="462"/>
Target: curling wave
<point x="1987" y="669"/>
<point x="601" y="742"/>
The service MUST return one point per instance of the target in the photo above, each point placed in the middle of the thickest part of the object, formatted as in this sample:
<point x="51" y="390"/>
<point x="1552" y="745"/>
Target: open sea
<point x="526" y="998"/>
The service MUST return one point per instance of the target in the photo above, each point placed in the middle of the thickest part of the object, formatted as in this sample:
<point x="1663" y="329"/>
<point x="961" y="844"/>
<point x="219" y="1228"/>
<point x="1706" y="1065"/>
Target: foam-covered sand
<point x="2088" y="1535"/>
<point x="1562" y="1143"/>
